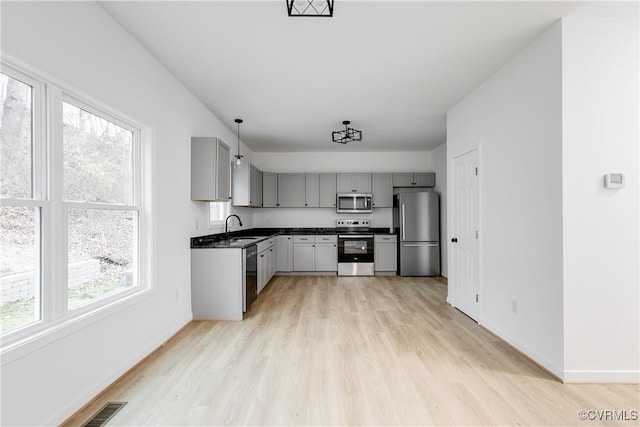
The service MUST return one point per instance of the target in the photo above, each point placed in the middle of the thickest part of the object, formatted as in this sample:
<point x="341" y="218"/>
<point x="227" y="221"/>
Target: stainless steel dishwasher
<point x="250" y="276"/>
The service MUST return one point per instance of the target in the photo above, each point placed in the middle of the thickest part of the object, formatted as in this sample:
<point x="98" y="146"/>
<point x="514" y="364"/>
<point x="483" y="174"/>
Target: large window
<point x="71" y="209"/>
<point x="100" y="207"/>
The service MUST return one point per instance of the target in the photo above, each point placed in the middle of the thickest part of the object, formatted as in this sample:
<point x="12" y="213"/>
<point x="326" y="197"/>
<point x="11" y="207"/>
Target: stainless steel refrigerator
<point x="416" y="218"/>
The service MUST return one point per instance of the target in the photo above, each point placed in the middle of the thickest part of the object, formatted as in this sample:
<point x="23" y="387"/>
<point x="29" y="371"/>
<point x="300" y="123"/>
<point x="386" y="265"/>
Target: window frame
<point x="39" y="195"/>
<point x="67" y="205"/>
<point x="47" y="182"/>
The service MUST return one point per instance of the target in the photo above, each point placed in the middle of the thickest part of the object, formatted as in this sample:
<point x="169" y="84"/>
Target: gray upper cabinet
<point x="247" y="185"/>
<point x="328" y="190"/>
<point x="269" y="189"/>
<point x="312" y="190"/>
<point x="354" y="183"/>
<point x="210" y="169"/>
<point x="291" y="190"/>
<point x="382" y="190"/>
<point x="425" y="179"/>
<point x="256" y="187"/>
<point x="417" y="179"/>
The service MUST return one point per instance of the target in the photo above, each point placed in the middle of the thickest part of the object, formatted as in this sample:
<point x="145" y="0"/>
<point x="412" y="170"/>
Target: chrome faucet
<point x="226" y="225"/>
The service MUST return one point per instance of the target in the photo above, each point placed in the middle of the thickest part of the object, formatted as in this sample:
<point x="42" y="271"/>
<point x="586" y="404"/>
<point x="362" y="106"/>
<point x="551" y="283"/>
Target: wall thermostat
<point x="614" y="180"/>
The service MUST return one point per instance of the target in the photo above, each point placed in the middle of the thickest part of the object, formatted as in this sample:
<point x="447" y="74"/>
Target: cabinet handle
<point x="261" y="256"/>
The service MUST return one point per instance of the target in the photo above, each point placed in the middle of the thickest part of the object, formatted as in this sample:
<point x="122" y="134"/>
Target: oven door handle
<point x="355" y="236"/>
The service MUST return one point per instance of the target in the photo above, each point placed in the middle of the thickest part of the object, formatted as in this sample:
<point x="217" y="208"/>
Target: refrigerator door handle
<point x="403" y="226"/>
<point x="420" y="244"/>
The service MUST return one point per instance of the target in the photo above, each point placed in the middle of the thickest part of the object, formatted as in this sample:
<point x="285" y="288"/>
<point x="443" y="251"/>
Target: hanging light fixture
<point x="310" y="8"/>
<point x="238" y="157"/>
<point x="346" y="135"/>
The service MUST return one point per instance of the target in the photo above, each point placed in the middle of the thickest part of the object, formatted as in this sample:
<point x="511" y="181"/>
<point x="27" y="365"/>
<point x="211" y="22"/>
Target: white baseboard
<point x="108" y="379"/>
<point x="546" y="364"/>
<point x="619" y="377"/>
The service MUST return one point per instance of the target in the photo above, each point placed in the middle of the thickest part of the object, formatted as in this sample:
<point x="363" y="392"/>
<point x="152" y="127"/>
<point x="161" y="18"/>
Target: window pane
<point x="19" y="267"/>
<point x="101" y="253"/>
<point x="15" y="138"/>
<point x="98" y="158"/>
<point x="218" y="211"/>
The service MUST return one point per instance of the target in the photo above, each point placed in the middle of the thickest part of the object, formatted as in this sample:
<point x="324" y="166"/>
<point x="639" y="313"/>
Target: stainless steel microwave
<point x="353" y="203"/>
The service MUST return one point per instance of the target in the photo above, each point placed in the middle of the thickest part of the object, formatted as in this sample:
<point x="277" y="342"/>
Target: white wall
<point x="408" y="161"/>
<point x="79" y="44"/>
<point x="601" y="235"/>
<point x="439" y="166"/>
<point x="514" y="118"/>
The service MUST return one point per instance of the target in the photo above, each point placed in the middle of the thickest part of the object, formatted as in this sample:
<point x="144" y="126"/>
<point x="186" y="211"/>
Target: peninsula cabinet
<point x="354" y="182"/>
<point x="382" y="190"/>
<point x="327" y="190"/>
<point x="210" y="170"/>
<point x="414" y="179"/>
<point x="291" y="190"/>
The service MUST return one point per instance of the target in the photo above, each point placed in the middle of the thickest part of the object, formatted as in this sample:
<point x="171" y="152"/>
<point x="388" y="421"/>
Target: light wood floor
<point x="320" y="350"/>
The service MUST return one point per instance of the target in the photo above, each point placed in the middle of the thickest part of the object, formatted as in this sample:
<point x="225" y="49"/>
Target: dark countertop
<point x="219" y="240"/>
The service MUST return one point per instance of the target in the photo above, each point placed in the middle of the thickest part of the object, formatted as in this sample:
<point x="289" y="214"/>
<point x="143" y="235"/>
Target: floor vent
<point x="105" y="414"/>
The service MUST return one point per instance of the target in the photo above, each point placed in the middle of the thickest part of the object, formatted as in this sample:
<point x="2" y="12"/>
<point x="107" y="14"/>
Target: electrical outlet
<point x="514" y="306"/>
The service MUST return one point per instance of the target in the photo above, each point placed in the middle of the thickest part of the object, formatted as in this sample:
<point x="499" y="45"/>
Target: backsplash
<point x="315" y="217"/>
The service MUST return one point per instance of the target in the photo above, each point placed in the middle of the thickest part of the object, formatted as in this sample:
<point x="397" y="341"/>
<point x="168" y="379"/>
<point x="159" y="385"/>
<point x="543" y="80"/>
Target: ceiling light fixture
<point x="238" y="156"/>
<point x="346" y="135"/>
<point x="310" y="8"/>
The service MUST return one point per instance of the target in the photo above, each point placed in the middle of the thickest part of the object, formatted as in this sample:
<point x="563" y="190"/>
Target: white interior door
<point x="464" y="255"/>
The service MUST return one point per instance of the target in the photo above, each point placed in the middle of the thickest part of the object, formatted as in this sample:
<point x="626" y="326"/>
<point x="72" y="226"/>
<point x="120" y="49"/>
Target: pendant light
<point x="238" y="157"/>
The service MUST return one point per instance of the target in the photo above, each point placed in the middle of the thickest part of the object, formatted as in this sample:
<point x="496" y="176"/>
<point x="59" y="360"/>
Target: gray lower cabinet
<point x="284" y="253"/>
<point x="327" y="190"/>
<point x="269" y="189"/>
<point x="291" y="190"/>
<point x="385" y="252"/>
<point x="382" y="190"/>
<point x="210" y="170"/>
<point x="217" y="278"/>
<point x="326" y="253"/>
<point x="267" y="253"/>
<point x="304" y="253"/>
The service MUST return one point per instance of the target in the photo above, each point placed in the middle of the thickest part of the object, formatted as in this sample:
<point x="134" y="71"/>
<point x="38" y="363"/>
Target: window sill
<point x="45" y="335"/>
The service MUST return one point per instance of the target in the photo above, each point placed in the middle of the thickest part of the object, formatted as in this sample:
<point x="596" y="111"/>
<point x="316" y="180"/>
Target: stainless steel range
<point x="355" y="247"/>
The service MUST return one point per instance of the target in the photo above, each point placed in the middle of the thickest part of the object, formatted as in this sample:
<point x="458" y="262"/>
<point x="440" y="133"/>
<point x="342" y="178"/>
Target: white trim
<point x="619" y="377"/>
<point x="47" y="334"/>
<point x="547" y="364"/>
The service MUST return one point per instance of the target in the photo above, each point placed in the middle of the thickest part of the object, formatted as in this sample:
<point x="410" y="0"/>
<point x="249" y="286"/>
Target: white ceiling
<point x="393" y="68"/>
